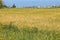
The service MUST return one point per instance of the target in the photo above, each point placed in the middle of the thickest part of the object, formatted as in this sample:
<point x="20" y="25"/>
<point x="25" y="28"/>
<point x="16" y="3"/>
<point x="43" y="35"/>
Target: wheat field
<point x="30" y="24"/>
<point x="32" y="17"/>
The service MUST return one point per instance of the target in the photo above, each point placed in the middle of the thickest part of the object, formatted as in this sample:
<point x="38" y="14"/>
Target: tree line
<point x="2" y="5"/>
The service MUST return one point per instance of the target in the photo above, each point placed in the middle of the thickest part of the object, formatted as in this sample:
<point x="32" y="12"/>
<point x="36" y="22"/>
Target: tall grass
<point x="12" y="32"/>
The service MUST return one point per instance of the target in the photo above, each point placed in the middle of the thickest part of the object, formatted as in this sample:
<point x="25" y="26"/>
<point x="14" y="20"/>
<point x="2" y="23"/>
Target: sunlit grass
<point x="32" y="17"/>
<point x="30" y="24"/>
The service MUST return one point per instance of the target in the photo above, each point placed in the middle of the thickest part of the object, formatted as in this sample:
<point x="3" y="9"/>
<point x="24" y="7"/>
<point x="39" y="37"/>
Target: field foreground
<point x="32" y="24"/>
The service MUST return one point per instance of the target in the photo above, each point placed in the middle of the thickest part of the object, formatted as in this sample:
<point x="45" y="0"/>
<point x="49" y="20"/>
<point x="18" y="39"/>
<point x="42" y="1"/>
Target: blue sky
<point x="21" y="3"/>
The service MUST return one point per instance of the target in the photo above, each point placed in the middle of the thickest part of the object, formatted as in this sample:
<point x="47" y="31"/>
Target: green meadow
<point x="30" y="24"/>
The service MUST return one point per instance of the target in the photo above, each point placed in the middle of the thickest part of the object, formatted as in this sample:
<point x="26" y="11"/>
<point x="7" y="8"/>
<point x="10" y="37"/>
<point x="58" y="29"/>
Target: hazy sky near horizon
<point x="21" y="3"/>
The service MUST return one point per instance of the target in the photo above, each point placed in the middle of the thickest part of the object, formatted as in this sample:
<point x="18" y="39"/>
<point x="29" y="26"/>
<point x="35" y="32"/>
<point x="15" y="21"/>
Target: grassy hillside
<point x="30" y="24"/>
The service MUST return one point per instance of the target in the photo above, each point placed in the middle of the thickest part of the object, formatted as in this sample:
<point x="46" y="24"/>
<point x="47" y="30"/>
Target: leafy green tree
<point x="1" y="4"/>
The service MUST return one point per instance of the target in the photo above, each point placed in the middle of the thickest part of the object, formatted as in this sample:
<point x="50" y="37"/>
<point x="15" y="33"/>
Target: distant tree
<point x="55" y="6"/>
<point x="58" y="6"/>
<point x="13" y="6"/>
<point x="5" y="6"/>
